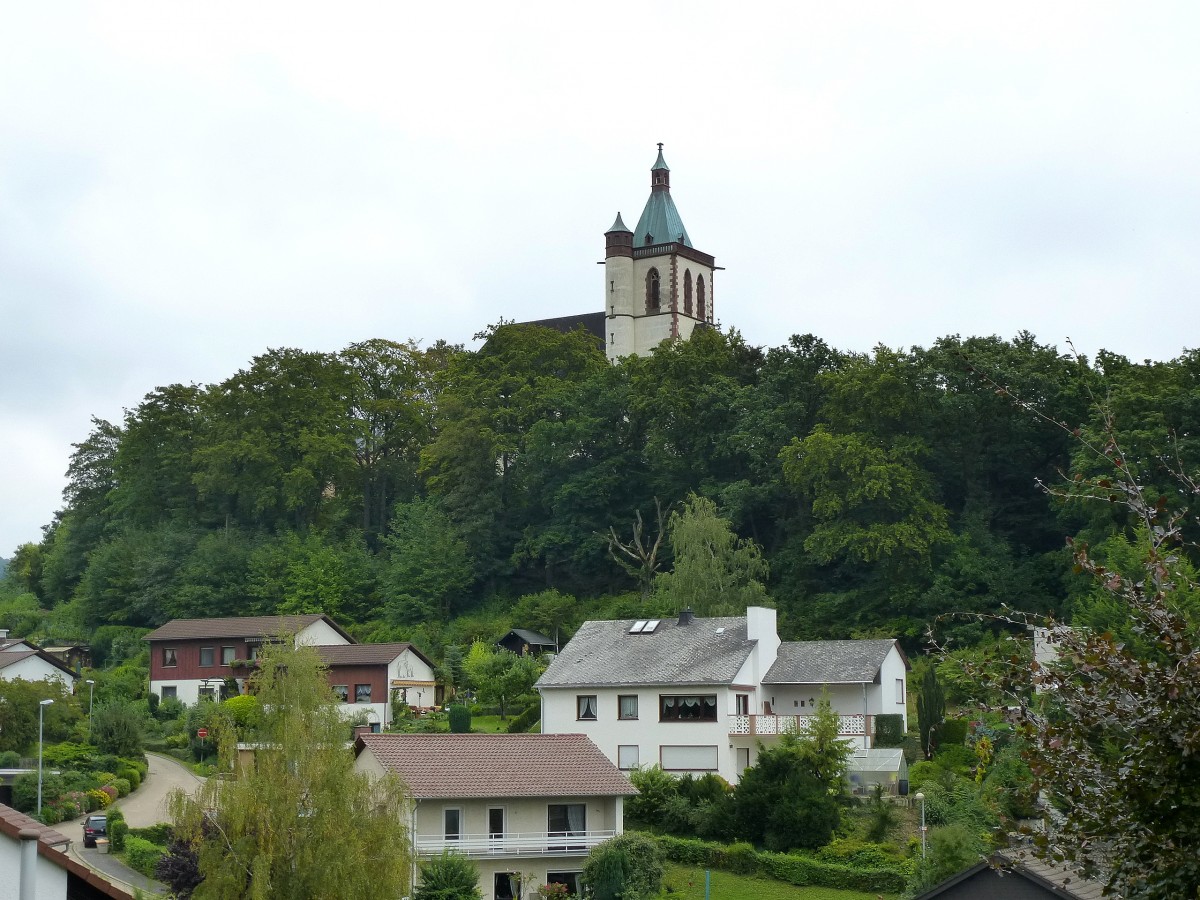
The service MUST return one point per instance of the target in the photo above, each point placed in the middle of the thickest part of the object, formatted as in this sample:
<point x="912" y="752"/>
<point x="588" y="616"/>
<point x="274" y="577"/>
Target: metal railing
<point x="537" y="843"/>
<point x="855" y="725"/>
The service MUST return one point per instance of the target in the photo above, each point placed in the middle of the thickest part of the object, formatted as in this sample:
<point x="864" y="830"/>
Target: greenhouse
<point x="867" y="768"/>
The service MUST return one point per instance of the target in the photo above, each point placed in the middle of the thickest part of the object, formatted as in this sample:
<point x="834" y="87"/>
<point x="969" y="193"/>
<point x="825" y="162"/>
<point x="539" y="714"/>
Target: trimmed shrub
<point x="156" y="834"/>
<point x="629" y="865"/>
<point x="889" y="730"/>
<point x="123" y="786"/>
<point x="117" y="829"/>
<point x="9" y="759"/>
<point x="526" y="720"/>
<point x="98" y="799"/>
<point x="741" y="858"/>
<point x="953" y="732"/>
<point x="141" y="855"/>
<point x="111" y="791"/>
<point x="448" y="877"/>
<point x="51" y="815"/>
<point x="132" y="775"/>
<point x="460" y="718"/>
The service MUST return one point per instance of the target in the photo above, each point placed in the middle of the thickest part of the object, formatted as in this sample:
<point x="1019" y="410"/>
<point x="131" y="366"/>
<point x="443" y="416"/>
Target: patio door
<point x="495" y="823"/>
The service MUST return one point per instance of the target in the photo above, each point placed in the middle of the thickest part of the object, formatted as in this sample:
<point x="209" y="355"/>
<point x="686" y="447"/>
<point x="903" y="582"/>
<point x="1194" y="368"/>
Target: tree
<point x="19" y="701"/>
<point x="638" y="557"/>
<point x="1113" y="731"/>
<point x="299" y="822"/>
<point x="931" y="711"/>
<point x="501" y="676"/>
<point x="629" y="865"/>
<point x="715" y="572"/>
<point x="781" y="803"/>
<point x="428" y="566"/>
<point x="117" y="728"/>
<point x="450" y="876"/>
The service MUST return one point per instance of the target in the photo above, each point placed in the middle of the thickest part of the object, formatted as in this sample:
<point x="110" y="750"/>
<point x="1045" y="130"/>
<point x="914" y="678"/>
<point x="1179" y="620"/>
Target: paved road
<point x="145" y="806"/>
<point x="148" y="804"/>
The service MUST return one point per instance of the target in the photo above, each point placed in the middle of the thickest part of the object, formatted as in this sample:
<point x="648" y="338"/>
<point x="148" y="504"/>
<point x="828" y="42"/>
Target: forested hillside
<point x="401" y="489"/>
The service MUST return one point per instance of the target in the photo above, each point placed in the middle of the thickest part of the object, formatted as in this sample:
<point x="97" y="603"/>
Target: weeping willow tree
<point x="299" y="821"/>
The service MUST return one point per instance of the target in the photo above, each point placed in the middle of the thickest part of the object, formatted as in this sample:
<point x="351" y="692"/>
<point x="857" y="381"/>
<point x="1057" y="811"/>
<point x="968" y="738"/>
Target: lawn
<point x="687" y="883"/>
<point x="490" y="724"/>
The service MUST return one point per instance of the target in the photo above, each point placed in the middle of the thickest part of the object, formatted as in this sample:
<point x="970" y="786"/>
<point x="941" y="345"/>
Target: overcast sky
<point x="184" y="185"/>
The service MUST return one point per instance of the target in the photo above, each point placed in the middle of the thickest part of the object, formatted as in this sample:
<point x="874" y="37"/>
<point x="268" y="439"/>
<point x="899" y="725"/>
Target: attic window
<point x="645" y="626"/>
<point x="638" y="626"/>
<point x="721" y="630"/>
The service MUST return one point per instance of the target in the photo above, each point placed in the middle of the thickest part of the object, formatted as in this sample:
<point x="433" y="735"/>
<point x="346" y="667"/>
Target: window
<point x="628" y="756"/>
<point x="206" y="656"/>
<point x="570" y="879"/>
<point x="687" y="292"/>
<point x="362" y="693"/>
<point x="342" y="692"/>
<point x="563" y="819"/>
<point x="688" y="759"/>
<point x="208" y="693"/>
<point x="741" y="704"/>
<point x="170" y="692"/>
<point x="226" y="655"/>
<point x="585" y="707"/>
<point x="506" y="886"/>
<point x="627" y="706"/>
<point x="700" y="298"/>
<point x="169" y="656"/>
<point x="899" y="690"/>
<point x="687" y="708"/>
<point x="653" y="300"/>
<point x="452" y="823"/>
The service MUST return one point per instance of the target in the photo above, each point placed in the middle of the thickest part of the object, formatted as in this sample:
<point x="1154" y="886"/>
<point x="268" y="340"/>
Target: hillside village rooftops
<point x="830" y="662"/>
<point x="460" y="766"/>
<point x="706" y="651"/>
<point x="239" y="627"/>
<point x="365" y="654"/>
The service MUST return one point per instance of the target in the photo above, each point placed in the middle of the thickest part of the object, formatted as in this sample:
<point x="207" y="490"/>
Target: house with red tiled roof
<point x="35" y="863"/>
<point x="515" y="804"/>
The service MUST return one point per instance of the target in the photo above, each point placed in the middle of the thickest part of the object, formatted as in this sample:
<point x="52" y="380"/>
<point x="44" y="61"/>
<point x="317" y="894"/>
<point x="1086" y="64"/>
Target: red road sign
<point x="201" y="732"/>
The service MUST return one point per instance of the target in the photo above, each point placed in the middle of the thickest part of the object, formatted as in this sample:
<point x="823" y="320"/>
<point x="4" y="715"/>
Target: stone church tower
<point x="657" y="286"/>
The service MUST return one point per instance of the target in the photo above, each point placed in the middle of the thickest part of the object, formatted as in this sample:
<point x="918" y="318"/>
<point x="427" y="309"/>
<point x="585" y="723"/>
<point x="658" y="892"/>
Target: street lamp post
<point x="921" y="797"/>
<point x="41" y="722"/>
<point x="91" y="683"/>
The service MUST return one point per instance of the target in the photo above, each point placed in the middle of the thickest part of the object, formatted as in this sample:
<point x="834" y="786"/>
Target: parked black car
<point x="94" y="827"/>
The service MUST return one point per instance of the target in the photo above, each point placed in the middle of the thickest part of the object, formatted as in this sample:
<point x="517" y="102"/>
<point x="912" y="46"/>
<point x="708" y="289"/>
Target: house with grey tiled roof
<point x="516" y="805"/>
<point x="701" y="694"/>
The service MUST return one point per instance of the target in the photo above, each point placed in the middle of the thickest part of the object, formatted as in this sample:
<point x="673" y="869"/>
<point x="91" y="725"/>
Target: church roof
<point x="660" y="221"/>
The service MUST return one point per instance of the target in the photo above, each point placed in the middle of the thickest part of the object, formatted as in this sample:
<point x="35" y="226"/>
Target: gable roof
<point x="452" y="766"/>
<point x="50" y="846"/>
<point x="366" y="654"/>
<point x="830" y="662"/>
<point x="239" y="627"/>
<point x="533" y="638"/>
<point x="12" y="657"/>
<point x="1054" y="880"/>
<point x="603" y="654"/>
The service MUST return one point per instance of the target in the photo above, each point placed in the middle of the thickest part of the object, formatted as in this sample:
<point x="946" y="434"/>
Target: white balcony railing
<point x="848" y="726"/>
<point x="515" y="844"/>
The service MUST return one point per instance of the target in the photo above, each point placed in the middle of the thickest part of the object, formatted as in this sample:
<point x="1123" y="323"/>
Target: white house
<point x="516" y="805"/>
<point x="34" y="864"/>
<point x="699" y="695"/>
<point x="19" y="659"/>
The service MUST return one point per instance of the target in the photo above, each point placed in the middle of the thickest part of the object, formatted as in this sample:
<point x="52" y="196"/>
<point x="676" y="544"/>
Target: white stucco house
<point x="699" y="695"/>
<point x="516" y="805"/>
<point x="21" y="659"/>
<point x="35" y="864"/>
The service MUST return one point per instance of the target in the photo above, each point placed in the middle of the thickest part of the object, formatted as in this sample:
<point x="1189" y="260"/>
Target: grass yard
<point x="687" y="883"/>
<point x="490" y="724"/>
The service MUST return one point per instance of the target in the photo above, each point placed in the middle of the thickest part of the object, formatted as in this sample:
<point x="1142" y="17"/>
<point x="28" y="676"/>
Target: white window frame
<point x="623" y="756"/>
<point x="458" y="833"/>
<point x="899" y="690"/>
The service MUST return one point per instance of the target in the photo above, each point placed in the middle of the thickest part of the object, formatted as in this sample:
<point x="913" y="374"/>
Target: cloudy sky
<point x="184" y="185"/>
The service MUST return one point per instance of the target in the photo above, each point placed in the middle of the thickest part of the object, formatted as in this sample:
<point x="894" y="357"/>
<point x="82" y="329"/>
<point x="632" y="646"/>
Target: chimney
<point x="28" y="878"/>
<point x="359" y="731"/>
<point x="3" y="634"/>
<point x="687" y="617"/>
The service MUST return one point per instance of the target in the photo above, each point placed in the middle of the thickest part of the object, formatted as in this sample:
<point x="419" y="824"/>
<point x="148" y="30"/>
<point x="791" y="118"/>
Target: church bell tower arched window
<point x="687" y="292"/>
<point x="700" y="298"/>
<point x="653" y="300"/>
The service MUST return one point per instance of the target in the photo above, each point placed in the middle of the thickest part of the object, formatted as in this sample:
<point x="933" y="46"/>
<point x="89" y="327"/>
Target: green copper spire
<point x="618" y="225"/>
<point x="660" y="222"/>
<point x="660" y="163"/>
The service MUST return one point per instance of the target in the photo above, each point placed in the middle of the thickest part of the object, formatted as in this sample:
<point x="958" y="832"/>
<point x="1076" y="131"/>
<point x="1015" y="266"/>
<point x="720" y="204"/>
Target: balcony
<point x="552" y="843"/>
<point x="856" y="725"/>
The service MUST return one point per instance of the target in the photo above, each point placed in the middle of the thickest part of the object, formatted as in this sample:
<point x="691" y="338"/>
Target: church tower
<point x="657" y="286"/>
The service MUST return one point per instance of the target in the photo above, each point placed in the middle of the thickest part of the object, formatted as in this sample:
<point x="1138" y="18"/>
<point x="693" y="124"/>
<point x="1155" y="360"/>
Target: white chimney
<point x="761" y="627"/>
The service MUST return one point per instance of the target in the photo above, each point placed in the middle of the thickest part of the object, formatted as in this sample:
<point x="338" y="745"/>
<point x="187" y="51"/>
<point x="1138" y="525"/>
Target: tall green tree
<point x="300" y="822"/>
<point x="931" y="711"/>
<point x="428" y="570"/>
<point x="715" y="572"/>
